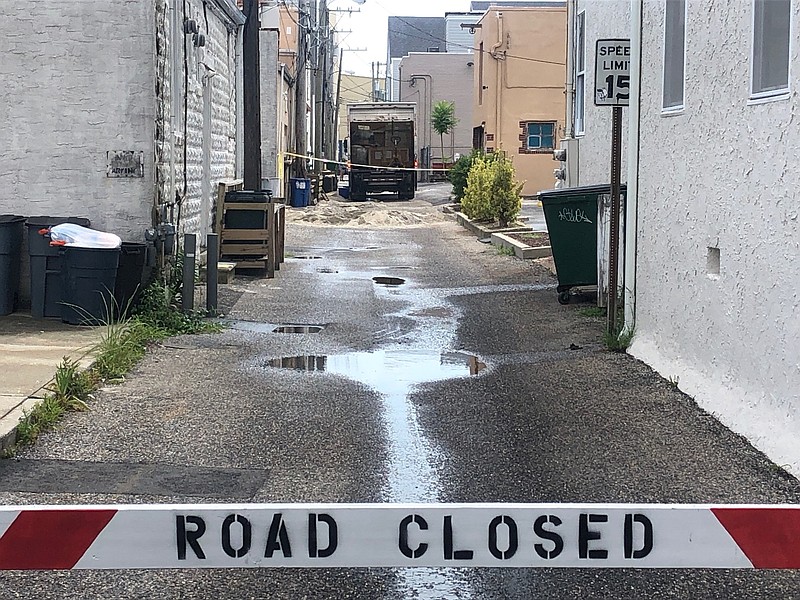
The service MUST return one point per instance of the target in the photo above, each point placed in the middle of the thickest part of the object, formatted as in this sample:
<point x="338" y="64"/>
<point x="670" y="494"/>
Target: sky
<point x="369" y="26"/>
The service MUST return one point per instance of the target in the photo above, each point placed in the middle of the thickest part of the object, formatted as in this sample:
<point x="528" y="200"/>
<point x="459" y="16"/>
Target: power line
<point x="428" y="36"/>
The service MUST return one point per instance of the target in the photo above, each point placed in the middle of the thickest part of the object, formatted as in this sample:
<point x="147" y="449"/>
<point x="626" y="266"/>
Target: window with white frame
<point x="537" y="136"/>
<point x="580" y="73"/>
<point x="674" y="54"/>
<point x="771" y="26"/>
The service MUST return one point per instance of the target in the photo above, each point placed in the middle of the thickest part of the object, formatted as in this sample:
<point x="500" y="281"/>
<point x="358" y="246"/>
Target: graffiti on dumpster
<point x="573" y="215"/>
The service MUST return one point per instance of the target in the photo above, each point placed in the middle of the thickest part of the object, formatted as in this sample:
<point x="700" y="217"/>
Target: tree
<point x="443" y="120"/>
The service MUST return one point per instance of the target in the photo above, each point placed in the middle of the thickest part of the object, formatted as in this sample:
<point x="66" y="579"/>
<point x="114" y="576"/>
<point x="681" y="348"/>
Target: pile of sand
<point x="340" y="213"/>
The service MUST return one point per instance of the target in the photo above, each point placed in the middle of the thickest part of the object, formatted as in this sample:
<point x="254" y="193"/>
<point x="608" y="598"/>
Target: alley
<point x="428" y="367"/>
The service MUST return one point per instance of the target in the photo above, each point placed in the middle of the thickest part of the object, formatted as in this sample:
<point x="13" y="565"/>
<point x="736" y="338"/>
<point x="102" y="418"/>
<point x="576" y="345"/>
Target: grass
<point x="123" y="343"/>
<point x="593" y="312"/>
<point x="619" y="341"/>
<point x="505" y="251"/>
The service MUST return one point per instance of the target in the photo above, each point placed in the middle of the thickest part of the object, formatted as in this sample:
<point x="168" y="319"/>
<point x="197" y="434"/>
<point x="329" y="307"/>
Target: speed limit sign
<point x="612" y="72"/>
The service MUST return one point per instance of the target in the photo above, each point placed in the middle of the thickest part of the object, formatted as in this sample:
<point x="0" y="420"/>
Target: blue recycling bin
<point x="301" y="192"/>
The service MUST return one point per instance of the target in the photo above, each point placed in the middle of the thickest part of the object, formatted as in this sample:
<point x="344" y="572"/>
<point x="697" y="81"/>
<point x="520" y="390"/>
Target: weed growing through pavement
<point x="128" y="332"/>
<point x="593" y="312"/>
<point x="618" y="342"/>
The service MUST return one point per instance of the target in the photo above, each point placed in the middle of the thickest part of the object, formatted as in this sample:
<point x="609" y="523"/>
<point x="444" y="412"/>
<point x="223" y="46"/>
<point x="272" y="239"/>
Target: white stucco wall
<point x="722" y="174"/>
<point x="78" y="81"/>
<point x="606" y="19"/>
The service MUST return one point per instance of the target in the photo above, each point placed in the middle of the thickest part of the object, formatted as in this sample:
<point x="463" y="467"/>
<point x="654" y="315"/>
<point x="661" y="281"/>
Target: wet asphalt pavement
<point x="468" y="382"/>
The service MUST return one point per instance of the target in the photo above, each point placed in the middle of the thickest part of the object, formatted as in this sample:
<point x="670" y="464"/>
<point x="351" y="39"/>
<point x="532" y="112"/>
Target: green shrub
<point x="458" y="175"/>
<point x="476" y="203"/>
<point x="492" y="192"/>
<point x="504" y="191"/>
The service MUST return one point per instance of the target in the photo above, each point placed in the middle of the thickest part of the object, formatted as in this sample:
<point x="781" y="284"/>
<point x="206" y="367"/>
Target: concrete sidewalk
<point x="30" y="351"/>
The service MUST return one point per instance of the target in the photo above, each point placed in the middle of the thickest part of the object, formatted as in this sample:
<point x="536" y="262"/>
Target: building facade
<point x="717" y="306"/>
<point x="406" y="35"/>
<point x="518" y="99"/>
<point x="431" y="77"/>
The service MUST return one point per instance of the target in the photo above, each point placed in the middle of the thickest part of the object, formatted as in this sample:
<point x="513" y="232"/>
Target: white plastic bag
<point x="69" y="234"/>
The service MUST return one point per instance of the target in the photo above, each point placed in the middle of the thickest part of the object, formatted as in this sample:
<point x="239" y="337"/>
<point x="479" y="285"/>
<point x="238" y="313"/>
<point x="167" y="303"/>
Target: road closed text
<point x="416" y="538"/>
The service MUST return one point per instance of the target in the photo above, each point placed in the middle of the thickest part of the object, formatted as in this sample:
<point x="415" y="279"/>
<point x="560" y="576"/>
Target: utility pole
<point x="320" y="73"/>
<point x="300" y="102"/>
<point x="372" y="95"/>
<point x="252" y="98"/>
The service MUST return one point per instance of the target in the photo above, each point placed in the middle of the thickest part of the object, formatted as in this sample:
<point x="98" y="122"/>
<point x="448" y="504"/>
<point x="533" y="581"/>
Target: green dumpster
<point x="571" y="217"/>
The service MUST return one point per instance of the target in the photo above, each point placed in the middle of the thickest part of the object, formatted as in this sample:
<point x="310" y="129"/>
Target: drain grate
<point x="389" y="281"/>
<point x="308" y="257"/>
<point x="298" y="329"/>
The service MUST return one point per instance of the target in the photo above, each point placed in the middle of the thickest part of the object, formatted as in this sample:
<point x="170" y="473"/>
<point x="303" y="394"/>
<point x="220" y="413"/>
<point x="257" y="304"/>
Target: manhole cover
<point x="298" y="329"/>
<point x="389" y="281"/>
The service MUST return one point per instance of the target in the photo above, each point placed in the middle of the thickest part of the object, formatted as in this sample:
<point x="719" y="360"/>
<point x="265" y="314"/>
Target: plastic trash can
<point x="571" y="217"/>
<point x="130" y="271"/>
<point x="90" y="276"/>
<point x="301" y="192"/>
<point x="46" y="266"/>
<point x="11" y="229"/>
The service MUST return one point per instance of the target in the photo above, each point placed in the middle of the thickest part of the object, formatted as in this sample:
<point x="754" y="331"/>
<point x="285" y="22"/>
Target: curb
<point x="484" y="232"/>
<point x="521" y="250"/>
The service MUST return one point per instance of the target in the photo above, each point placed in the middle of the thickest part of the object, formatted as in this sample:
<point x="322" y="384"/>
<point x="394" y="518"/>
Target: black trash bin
<point x="11" y="228"/>
<point x="90" y="275"/>
<point x="130" y="273"/>
<point x="46" y="266"/>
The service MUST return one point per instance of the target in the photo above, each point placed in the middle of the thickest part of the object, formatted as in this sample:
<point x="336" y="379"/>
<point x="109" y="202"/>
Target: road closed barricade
<point x="400" y="535"/>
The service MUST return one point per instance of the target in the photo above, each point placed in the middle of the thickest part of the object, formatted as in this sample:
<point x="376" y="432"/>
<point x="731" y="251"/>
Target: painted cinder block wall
<point x="722" y="174"/>
<point x="81" y="79"/>
<point x="78" y="81"/>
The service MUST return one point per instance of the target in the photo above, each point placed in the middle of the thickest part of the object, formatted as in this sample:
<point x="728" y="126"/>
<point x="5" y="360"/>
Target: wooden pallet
<point x="261" y="248"/>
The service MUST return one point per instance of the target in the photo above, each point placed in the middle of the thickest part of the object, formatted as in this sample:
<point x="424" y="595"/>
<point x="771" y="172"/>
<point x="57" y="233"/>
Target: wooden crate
<point x="260" y="248"/>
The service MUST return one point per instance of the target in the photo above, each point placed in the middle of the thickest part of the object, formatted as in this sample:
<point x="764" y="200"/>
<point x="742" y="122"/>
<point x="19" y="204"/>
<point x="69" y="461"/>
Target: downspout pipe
<point x="632" y="200"/>
<point x="499" y="57"/>
<point x="427" y="127"/>
<point x="569" y="123"/>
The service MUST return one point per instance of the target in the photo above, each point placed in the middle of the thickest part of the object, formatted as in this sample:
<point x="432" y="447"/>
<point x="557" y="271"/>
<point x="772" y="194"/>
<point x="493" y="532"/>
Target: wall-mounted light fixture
<point x="471" y="26"/>
<point x="189" y="26"/>
<point x="199" y="40"/>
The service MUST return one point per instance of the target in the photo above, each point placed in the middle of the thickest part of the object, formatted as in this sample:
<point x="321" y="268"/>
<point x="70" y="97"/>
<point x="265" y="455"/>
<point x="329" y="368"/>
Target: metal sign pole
<point x="613" y="251"/>
<point x="612" y="88"/>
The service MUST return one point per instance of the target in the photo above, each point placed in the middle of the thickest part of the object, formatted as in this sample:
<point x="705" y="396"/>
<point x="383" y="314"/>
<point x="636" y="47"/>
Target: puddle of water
<point x="250" y="326"/>
<point x="393" y="267"/>
<point x="412" y="473"/>
<point x="389" y="281"/>
<point x="300" y="363"/>
<point x="298" y="329"/>
<point x="387" y="371"/>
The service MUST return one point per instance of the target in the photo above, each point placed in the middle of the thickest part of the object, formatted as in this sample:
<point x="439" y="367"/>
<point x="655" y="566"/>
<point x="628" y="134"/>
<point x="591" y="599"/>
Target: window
<point x="580" y="73"/>
<point x="537" y="137"/>
<point x="770" y="71"/>
<point x="674" y="54"/>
